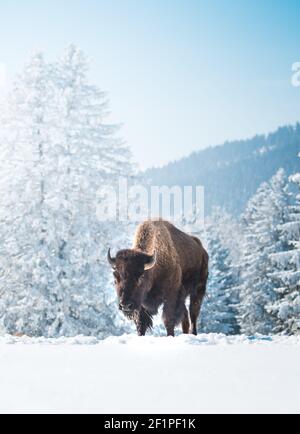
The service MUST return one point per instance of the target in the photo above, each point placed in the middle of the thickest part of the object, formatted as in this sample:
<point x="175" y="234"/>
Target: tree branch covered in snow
<point x="56" y="152"/>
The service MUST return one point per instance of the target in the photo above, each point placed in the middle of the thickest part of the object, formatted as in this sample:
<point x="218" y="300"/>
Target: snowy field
<point x="204" y="374"/>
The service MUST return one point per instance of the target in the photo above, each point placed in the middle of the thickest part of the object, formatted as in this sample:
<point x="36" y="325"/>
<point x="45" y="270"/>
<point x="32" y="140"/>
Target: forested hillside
<point x="232" y="173"/>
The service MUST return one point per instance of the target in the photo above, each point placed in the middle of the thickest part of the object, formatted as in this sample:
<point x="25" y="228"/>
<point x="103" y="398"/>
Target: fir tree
<point x="264" y="215"/>
<point x="218" y="314"/>
<point x="58" y="153"/>
<point x="286" y="271"/>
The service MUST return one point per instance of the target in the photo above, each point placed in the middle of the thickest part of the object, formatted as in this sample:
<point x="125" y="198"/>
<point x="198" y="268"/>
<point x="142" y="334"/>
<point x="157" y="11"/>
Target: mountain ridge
<point x="232" y="172"/>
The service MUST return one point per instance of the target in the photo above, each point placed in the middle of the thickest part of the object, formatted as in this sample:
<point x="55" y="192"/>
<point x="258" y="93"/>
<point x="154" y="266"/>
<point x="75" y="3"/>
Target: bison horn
<point x="111" y="260"/>
<point x="151" y="263"/>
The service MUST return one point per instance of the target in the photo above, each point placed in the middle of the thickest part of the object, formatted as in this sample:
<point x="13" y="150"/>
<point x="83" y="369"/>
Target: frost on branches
<point x="56" y="153"/>
<point x="286" y="270"/>
<point x="266" y="213"/>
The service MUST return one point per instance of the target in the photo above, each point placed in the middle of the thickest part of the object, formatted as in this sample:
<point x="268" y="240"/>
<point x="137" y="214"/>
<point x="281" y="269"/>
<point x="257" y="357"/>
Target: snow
<point x="264" y="150"/>
<point x="187" y="374"/>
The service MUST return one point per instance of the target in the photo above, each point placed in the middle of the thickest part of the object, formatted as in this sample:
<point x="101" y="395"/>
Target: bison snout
<point x="127" y="307"/>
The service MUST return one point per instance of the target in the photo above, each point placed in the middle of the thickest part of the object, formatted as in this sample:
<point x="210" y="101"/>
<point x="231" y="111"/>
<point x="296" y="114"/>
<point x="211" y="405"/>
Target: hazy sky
<point x="181" y="74"/>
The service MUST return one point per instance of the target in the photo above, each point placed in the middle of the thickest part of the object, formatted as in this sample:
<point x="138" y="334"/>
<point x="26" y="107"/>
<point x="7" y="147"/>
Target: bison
<point x="164" y="267"/>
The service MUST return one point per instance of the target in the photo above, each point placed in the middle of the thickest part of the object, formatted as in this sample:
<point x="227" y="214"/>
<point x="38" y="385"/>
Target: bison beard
<point x="143" y="321"/>
<point x="164" y="268"/>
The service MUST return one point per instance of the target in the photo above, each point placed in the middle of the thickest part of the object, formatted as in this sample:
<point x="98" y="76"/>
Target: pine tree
<point x="217" y="314"/>
<point x="286" y="272"/>
<point x="58" y="153"/>
<point x="90" y="156"/>
<point x="26" y="256"/>
<point x="264" y="215"/>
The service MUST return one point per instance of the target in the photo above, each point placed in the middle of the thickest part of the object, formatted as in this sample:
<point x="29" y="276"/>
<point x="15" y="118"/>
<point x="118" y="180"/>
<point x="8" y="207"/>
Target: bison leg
<point x="169" y="318"/>
<point x="197" y="296"/>
<point x="186" y="322"/>
<point x="143" y="322"/>
<point x="195" y="307"/>
<point x="174" y="313"/>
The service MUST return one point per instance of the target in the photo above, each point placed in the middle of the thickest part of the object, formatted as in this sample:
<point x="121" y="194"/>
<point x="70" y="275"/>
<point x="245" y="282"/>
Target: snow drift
<point x="186" y="374"/>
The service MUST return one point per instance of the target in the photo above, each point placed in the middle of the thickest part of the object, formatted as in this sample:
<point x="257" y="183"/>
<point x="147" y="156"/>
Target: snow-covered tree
<point x="58" y="153"/>
<point x="265" y="214"/>
<point x="219" y="314"/>
<point x="90" y="156"/>
<point x="286" y="270"/>
<point x="219" y="308"/>
<point x="26" y="256"/>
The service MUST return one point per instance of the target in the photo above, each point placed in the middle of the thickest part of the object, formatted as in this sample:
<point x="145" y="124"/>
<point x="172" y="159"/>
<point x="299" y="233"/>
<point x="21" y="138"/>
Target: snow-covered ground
<point x="204" y="374"/>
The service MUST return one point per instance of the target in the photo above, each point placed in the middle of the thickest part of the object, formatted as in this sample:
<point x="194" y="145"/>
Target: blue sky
<point x="181" y="74"/>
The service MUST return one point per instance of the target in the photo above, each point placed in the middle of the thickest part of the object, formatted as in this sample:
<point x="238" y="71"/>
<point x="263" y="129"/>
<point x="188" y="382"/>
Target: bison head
<point x="130" y="268"/>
